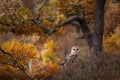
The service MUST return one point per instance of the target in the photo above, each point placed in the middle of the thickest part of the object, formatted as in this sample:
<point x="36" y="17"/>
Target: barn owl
<point x="71" y="57"/>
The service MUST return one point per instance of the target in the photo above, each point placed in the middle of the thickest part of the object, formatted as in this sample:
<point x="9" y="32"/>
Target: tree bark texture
<point x="99" y="26"/>
<point x="86" y="31"/>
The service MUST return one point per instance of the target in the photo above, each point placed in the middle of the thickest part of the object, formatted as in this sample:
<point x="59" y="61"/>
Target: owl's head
<point x="74" y="50"/>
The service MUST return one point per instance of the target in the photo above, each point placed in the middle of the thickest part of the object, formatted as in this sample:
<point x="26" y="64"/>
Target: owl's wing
<point x="69" y="59"/>
<point x="64" y="61"/>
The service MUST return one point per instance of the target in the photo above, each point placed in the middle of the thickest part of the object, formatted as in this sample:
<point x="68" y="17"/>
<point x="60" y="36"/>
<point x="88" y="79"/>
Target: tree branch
<point x="78" y="22"/>
<point x="66" y="21"/>
<point x="41" y="25"/>
<point x="38" y="11"/>
<point x="4" y="24"/>
<point x="55" y="28"/>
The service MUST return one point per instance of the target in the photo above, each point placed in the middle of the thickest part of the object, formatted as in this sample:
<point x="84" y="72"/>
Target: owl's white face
<point x="74" y="50"/>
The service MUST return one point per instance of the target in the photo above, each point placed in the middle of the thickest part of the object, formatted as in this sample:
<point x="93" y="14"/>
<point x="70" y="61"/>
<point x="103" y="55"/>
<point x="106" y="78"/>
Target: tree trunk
<point x="86" y="31"/>
<point x="99" y="27"/>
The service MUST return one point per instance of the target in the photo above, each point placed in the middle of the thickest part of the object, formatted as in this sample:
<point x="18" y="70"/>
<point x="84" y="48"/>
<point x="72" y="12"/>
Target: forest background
<point x="36" y="35"/>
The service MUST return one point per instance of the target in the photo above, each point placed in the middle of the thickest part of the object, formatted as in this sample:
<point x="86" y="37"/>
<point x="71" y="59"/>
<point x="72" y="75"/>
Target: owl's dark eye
<point x="77" y="49"/>
<point x="74" y="49"/>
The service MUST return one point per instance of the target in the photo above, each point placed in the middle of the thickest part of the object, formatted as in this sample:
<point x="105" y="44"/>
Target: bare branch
<point x="66" y="21"/>
<point x="77" y="26"/>
<point x="78" y="22"/>
<point x="38" y="11"/>
<point x="55" y="28"/>
<point x="80" y="37"/>
<point x="41" y="25"/>
<point x="44" y="2"/>
<point x="5" y="52"/>
<point x="83" y="11"/>
<point x="4" y="24"/>
<point x="6" y="63"/>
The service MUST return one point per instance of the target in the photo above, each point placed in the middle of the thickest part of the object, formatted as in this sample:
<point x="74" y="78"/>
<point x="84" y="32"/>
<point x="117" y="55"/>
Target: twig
<point x="38" y="11"/>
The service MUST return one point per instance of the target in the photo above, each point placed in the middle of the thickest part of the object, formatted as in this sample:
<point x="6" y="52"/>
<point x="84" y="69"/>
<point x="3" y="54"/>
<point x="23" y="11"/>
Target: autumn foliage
<point x="17" y="56"/>
<point x="24" y="51"/>
<point x="49" y="54"/>
<point x="28" y="53"/>
<point x="112" y="44"/>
